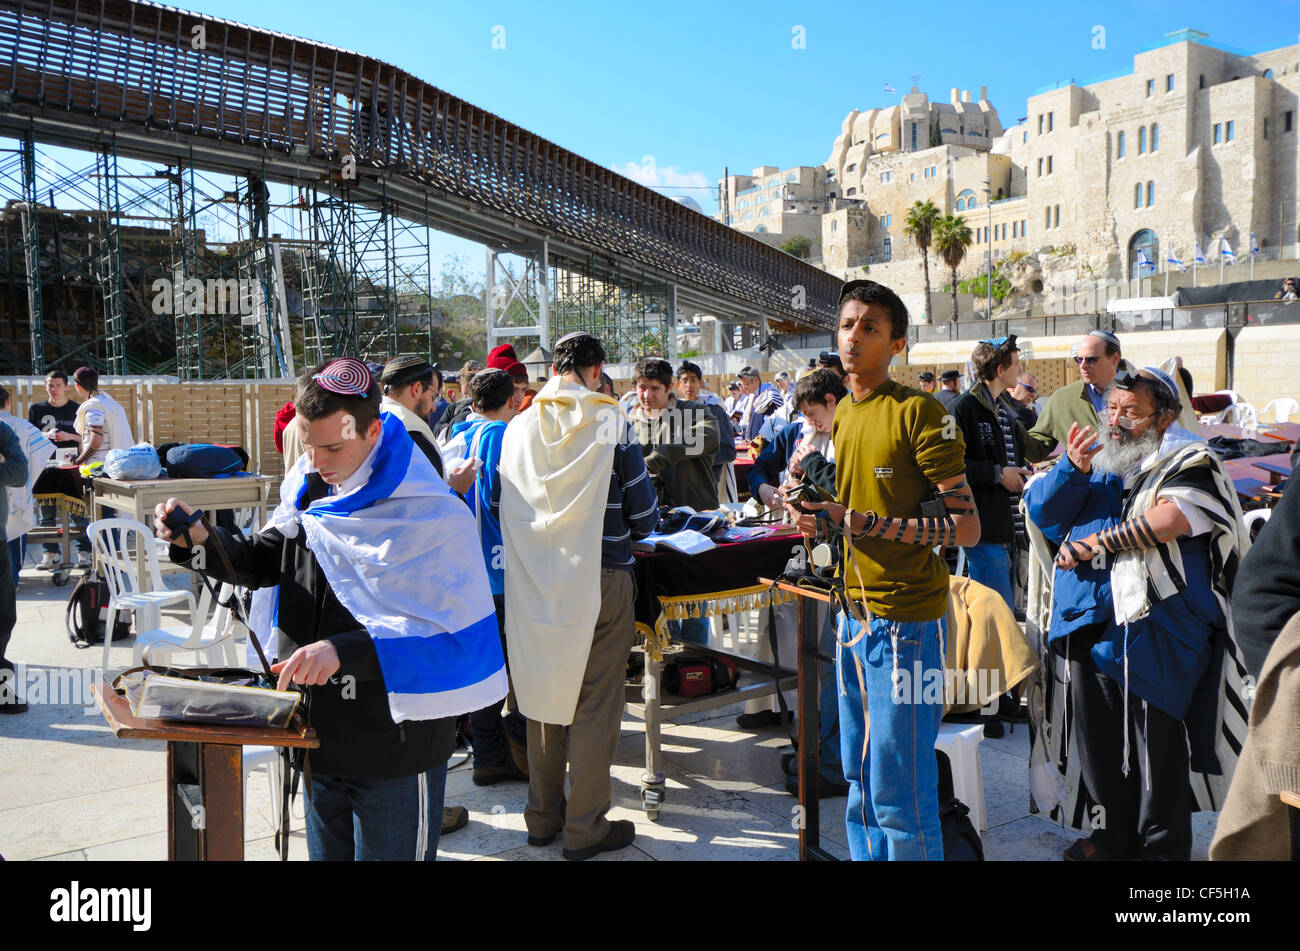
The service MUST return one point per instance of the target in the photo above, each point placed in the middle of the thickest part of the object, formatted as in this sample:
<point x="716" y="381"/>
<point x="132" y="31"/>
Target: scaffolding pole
<point x="108" y="263"/>
<point x="32" y="254"/>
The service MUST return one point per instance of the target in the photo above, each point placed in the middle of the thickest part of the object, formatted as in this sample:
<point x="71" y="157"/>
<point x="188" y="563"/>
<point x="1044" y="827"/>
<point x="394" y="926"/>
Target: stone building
<point x="1197" y="144"/>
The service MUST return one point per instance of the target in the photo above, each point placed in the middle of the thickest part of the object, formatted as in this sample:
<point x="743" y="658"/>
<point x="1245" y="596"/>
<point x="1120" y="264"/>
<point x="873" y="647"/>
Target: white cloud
<point x="648" y="172"/>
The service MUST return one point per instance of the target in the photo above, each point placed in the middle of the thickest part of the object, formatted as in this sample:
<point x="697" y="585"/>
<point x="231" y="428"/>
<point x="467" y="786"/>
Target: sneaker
<point x="620" y="835"/>
<point x="50" y="561"/>
<point x="491" y="775"/>
<point x="453" y="818"/>
<point x="755" y="721"/>
<point x="826" y="788"/>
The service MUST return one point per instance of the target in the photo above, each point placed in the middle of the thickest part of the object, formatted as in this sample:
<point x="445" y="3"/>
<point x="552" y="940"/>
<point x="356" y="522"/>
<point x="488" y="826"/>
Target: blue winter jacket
<point x="484" y="498"/>
<point x="1169" y="651"/>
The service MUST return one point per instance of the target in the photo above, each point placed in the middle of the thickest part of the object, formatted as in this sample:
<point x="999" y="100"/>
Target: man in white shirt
<point x="22" y="507"/>
<point x="101" y="421"/>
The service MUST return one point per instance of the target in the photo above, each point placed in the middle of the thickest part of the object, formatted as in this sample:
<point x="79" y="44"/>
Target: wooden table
<point x="136" y="499"/>
<point x="205" y="775"/>
<point x="1266" y="432"/>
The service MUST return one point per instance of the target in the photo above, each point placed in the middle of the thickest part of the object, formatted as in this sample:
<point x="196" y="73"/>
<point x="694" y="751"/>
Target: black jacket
<point x="357" y="734"/>
<point x="1266" y="593"/>
<point x="986" y="456"/>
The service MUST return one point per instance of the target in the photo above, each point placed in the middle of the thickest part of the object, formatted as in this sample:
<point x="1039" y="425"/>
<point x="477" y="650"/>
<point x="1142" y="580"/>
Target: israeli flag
<point x="1143" y="260"/>
<point x="1173" y="260"/>
<point x="393" y="548"/>
<point x="1200" y="258"/>
<point x="1226" y="251"/>
<point x="1254" y="245"/>
<point x="889" y="90"/>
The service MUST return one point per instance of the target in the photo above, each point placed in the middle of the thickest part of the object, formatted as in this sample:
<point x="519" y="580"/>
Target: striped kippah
<point x="347" y="376"/>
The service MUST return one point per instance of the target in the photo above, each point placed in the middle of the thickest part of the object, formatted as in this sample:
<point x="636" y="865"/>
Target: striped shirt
<point x="633" y="509"/>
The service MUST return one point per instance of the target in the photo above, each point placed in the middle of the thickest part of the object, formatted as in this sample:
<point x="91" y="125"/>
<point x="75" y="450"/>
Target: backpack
<point x="961" y="841"/>
<point x="87" y="613"/>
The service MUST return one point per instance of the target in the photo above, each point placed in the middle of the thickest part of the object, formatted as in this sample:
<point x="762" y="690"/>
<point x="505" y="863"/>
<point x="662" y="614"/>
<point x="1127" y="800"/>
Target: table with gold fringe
<point x="675" y="587"/>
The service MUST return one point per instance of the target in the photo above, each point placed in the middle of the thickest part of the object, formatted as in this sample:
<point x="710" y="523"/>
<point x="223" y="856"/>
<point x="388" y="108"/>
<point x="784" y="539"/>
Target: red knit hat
<point x="500" y="358"/>
<point x="516" y="369"/>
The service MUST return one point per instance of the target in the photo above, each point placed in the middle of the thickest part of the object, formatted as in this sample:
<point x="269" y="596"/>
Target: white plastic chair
<point x="1285" y="409"/>
<point x="215" y="636"/>
<point x="1253" y="516"/>
<point x="113" y="540"/>
<point x="1244" y="415"/>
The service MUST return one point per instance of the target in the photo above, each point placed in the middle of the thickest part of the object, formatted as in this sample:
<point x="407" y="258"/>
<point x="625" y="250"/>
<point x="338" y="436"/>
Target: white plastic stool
<point x="961" y="743"/>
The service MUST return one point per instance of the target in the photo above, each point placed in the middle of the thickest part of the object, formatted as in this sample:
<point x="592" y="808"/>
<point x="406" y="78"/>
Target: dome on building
<point x="688" y="202"/>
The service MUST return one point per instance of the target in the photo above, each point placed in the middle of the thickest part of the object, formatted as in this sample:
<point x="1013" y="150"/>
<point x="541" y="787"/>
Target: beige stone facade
<point x="1197" y="144"/>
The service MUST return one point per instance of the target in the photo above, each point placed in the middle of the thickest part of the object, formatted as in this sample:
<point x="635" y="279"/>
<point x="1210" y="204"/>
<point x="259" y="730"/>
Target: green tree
<point x="797" y="245"/>
<point x="919" y="226"/>
<point x="952" y="236"/>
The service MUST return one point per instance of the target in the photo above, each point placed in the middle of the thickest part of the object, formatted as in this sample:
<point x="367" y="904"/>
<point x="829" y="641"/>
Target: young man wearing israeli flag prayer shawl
<point x="1155" y="686"/>
<point x="390" y="652"/>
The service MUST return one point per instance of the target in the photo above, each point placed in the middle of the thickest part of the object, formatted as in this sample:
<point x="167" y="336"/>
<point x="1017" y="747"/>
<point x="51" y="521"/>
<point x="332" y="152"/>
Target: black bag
<point x="87" y="613"/>
<point x="201" y="460"/>
<point x="961" y="842"/>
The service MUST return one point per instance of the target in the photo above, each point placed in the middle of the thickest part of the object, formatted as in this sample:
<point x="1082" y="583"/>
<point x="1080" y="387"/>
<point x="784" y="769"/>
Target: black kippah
<point x="402" y="370"/>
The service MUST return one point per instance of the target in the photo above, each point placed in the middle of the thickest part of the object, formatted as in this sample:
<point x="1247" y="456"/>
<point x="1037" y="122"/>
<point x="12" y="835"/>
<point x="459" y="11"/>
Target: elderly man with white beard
<point x="1148" y="534"/>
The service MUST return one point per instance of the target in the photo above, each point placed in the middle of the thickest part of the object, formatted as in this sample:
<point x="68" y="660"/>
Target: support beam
<point x="32" y="254"/>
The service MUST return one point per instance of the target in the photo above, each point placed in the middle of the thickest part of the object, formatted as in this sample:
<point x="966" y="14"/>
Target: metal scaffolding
<point x="633" y="319"/>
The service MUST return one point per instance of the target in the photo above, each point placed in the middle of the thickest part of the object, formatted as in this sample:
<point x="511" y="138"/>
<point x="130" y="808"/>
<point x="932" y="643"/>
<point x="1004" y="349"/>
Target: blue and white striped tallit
<point x="393" y="550"/>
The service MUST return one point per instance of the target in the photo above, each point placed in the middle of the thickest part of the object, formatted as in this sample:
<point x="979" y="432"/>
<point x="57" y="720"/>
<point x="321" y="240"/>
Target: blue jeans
<point x="692" y="630"/>
<point x="17" y="550"/>
<point x="369" y="820"/>
<point x="990" y="565"/>
<point x="893" y="808"/>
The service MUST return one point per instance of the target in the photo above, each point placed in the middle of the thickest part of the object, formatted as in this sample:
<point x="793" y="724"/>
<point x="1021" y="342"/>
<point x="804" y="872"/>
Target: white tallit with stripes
<point x="1139" y="579"/>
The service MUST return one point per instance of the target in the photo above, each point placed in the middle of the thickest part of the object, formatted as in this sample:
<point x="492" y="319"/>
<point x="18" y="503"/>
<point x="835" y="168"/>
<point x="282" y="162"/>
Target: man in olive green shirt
<point x="895" y="447"/>
<point x="1098" y="358"/>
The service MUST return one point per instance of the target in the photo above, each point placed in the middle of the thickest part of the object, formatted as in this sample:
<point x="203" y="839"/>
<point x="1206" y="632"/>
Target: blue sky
<point x="671" y="92"/>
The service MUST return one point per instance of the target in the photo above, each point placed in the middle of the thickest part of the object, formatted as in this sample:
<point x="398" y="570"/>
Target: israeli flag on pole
<point x="393" y="548"/>
<point x="1173" y="260"/>
<point x="889" y="90"/>
<point x="1254" y="245"/>
<point x="1200" y="257"/>
<point x="1226" y="251"/>
<point x="1143" y="260"/>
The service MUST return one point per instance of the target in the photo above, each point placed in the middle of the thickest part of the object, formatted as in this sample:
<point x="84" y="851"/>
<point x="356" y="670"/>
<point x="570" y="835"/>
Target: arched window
<point x="1151" y="193"/>
<point x="765" y="211"/>
<point x="1149" y="244"/>
<point x="1142" y="140"/>
<point x="744" y="203"/>
<point x="1119" y="145"/>
<point x="747" y="216"/>
<point x="965" y="199"/>
<point x="761" y="229"/>
<point x="961" y="204"/>
<point x="1155" y="136"/>
<point x="851" y="191"/>
<point x="792" y="177"/>
<point x="851" y="167"/>
<point x="1268" y="74"/>
<point x="999" y="194"/>
<point x="882" y="135"/>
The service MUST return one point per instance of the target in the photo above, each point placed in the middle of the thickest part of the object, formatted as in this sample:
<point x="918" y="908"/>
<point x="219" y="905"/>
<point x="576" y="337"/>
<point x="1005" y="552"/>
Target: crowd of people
<point x="1099" y="515"/>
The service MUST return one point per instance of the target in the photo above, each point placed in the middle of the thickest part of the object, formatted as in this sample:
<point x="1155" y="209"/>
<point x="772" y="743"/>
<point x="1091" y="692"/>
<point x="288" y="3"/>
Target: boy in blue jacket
<point x="500" y="743"/>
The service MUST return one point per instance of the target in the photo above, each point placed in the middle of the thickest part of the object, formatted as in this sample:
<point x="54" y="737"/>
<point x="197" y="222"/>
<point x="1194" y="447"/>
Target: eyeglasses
<point x="1125" y="422"/>
<point x="1088" y="360"/>
<point x="1029" y="389"/>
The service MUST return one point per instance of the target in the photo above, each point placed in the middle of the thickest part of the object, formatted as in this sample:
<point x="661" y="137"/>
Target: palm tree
<point x="951" y="239"/>
<point x="919" y="226"/>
